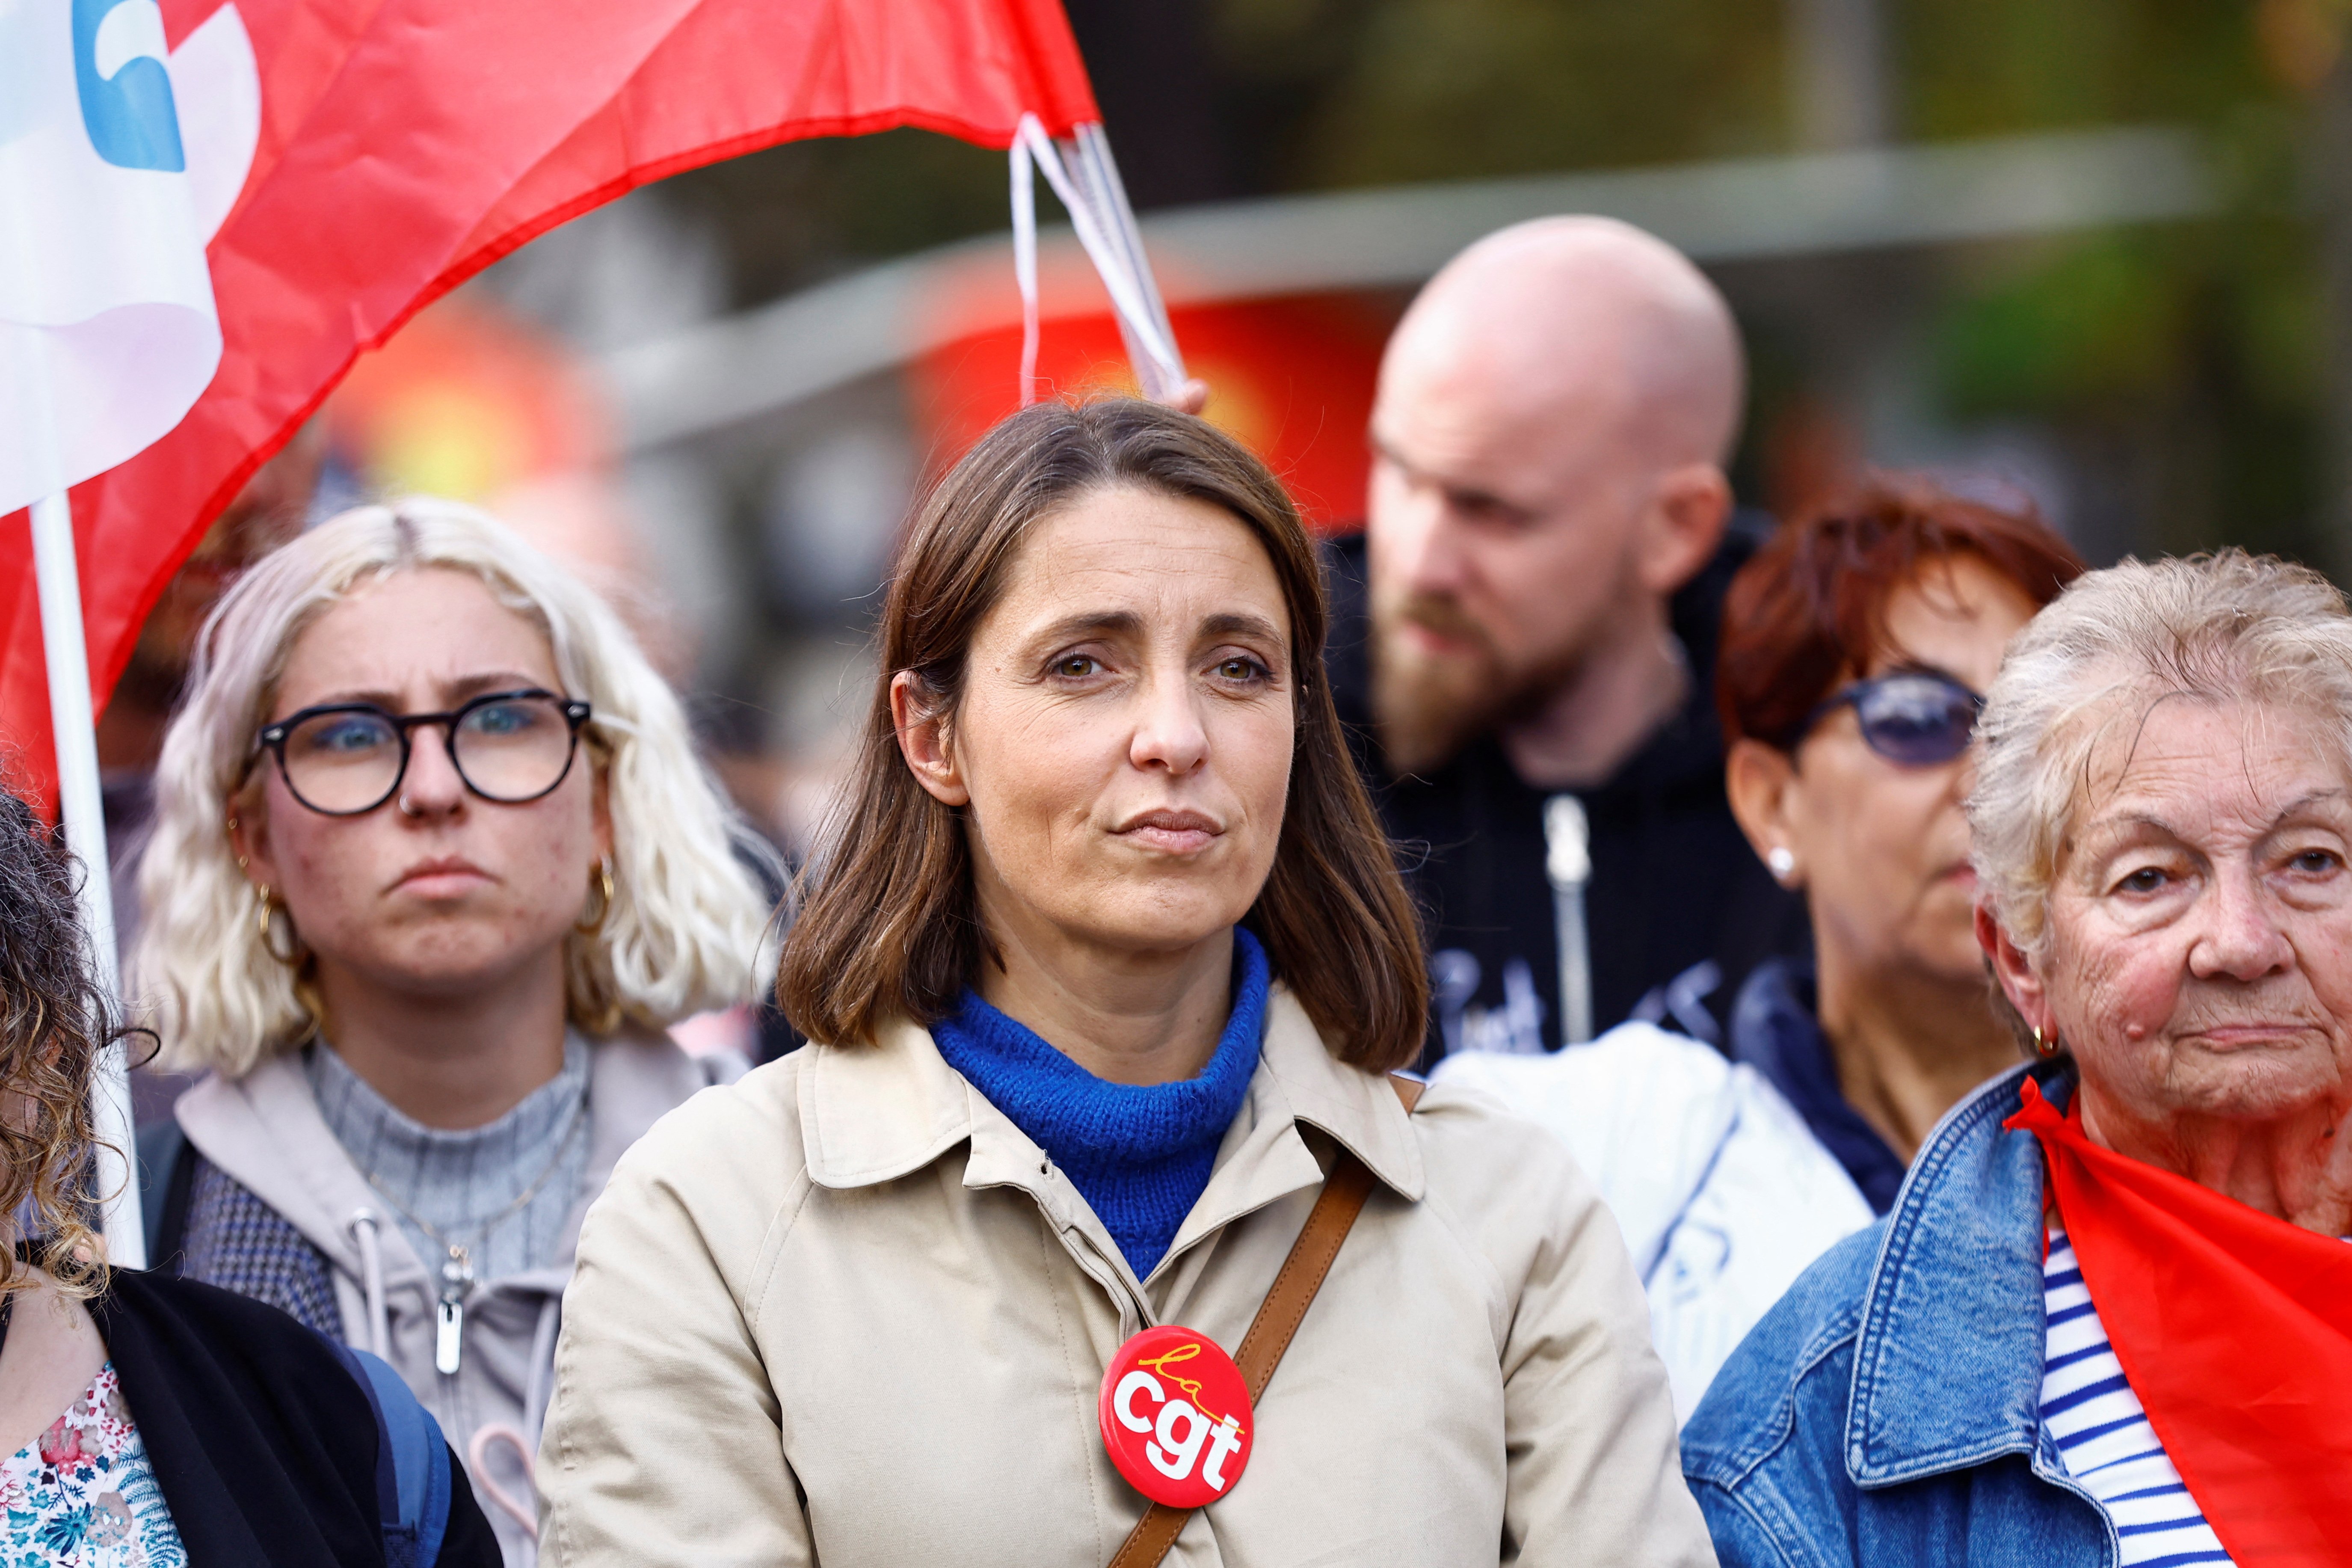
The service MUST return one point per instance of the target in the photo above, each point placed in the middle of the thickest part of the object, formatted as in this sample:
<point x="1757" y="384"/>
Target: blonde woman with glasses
<point x="433" y="865"/>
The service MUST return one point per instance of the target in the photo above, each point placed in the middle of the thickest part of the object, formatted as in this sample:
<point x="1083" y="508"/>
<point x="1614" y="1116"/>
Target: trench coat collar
<point x="874" y="1114"/>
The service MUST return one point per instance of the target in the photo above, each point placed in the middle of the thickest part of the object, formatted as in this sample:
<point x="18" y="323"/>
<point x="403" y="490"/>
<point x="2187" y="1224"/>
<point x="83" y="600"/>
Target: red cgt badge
<point x="1176" y="1416"/>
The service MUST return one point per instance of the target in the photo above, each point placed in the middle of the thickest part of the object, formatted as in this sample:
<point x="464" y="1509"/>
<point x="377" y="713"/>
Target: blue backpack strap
<point x="411" y="1465"/>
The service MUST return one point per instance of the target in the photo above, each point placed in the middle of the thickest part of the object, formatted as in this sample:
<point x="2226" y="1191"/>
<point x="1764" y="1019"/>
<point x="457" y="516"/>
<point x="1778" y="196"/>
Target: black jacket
<point x="1674" y="885"/>
<point x="263" y="1444"/>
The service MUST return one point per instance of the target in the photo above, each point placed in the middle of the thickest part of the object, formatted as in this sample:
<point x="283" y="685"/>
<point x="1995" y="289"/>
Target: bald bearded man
<point x="1542" y="571"/>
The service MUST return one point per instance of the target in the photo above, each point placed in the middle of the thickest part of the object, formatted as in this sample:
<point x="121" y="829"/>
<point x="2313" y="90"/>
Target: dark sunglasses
<point x="345" y="759"/>
<point x="1913" y="717"/>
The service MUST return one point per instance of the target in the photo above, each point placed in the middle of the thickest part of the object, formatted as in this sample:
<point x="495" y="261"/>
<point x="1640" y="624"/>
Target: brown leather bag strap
<point x="1153" y="1534"/>
<point x="1278" y="1316"/>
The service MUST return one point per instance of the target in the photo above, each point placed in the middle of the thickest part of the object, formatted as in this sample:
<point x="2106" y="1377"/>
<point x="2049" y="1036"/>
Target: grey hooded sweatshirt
<point x="266" y="1131"/>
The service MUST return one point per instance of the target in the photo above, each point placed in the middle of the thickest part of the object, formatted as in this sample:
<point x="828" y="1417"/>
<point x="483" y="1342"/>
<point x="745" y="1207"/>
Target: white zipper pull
<point x="449" y="1326"/>
<point x="1568" y="865"/>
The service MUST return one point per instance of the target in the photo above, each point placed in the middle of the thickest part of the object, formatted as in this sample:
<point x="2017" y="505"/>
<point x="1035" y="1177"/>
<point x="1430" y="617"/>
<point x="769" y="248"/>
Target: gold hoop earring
<point x="265" y="908"/>
<point x="2046" y="1045"/>
<point x="589" y="925"/>
<point x="605" y="1020"/>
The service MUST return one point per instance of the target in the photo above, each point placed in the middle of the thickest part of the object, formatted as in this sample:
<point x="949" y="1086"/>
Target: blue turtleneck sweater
<point x="1139" y="1154"/>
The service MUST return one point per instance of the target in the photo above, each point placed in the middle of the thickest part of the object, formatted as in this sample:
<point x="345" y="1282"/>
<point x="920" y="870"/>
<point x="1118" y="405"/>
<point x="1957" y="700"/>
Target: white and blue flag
<point x="119" y="159"/>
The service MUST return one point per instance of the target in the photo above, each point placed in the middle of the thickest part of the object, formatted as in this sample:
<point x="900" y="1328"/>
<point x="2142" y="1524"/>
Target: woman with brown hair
<point x="1105" y="962"/>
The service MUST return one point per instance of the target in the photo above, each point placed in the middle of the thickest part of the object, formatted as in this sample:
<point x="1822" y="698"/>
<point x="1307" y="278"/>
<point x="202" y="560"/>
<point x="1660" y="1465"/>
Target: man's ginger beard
<point x="1426" y="708"/>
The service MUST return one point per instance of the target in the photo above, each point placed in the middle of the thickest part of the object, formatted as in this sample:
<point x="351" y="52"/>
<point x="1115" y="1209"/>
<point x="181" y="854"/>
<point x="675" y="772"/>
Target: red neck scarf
<point x="2235" y="1330"/>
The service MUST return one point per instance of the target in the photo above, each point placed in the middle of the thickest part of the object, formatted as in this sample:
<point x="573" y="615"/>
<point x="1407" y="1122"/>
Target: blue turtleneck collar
<point x="1140" y="1154"/>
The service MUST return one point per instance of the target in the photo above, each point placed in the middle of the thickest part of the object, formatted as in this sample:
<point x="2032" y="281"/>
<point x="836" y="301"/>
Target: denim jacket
<point x="1888" y="1409"/>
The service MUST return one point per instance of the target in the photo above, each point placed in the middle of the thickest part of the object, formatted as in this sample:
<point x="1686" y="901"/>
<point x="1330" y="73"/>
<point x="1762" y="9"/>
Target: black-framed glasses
<point x="345" y="759"/>
<point x="1915" y="717"/>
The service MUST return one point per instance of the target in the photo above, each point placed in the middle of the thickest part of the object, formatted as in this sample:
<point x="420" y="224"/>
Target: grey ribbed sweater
<point x="456" y="1180"/>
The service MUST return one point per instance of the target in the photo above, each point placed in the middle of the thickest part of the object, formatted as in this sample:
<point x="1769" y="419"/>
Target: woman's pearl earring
<point x="1781" y="861"/>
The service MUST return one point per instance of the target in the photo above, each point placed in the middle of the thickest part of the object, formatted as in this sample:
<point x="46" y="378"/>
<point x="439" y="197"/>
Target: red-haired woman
<point x="1857" y="644"/>
<point x="1104" y="961"/>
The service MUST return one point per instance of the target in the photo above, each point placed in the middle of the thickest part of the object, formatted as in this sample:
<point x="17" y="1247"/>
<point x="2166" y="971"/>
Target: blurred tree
<point x="1975" y="68"/>
<point x="1839" y="90"/>
<point x="2182" y="373"/>
<point x="2304" y="39"/>
<point x="796" y="215"/>
<point x="1424" y="89"/>
<point x="1159" y="86"/>
<point x="2181" y="368"/>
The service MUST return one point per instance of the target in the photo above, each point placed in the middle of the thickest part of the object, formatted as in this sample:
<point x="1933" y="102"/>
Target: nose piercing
<point x="406" y="810"/>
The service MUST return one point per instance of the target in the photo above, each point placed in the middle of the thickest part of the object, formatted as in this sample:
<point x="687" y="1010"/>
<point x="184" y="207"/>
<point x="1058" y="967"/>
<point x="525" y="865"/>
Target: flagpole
<point x="1087" y="181"/>
<point x="75" y="728"/>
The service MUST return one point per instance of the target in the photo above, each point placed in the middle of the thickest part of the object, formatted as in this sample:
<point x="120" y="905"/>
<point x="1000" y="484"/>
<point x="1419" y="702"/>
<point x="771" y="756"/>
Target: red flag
<point x="406" y="144"/>
<point x="2233" y="1326"/>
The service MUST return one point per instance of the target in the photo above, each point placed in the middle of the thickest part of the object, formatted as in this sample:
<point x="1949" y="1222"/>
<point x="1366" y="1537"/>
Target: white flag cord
<point x="73" y="724"/>
<point x="1087" y="184"/>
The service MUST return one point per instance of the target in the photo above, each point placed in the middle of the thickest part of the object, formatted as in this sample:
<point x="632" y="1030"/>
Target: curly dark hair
<point x="55" y="1020"/>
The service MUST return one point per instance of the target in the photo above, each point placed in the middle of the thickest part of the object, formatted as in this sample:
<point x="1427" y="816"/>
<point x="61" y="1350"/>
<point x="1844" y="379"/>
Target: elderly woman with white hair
<point x="434" y="864"/>
<point x="2109" y="1319"/>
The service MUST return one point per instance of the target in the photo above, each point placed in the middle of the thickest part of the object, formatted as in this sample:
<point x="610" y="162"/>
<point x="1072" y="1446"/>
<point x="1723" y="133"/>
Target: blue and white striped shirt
<point x="2102" y="1434"/>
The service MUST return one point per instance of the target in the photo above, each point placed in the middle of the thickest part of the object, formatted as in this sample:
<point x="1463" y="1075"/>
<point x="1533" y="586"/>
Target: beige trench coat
<point x="844" y="1312"/>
